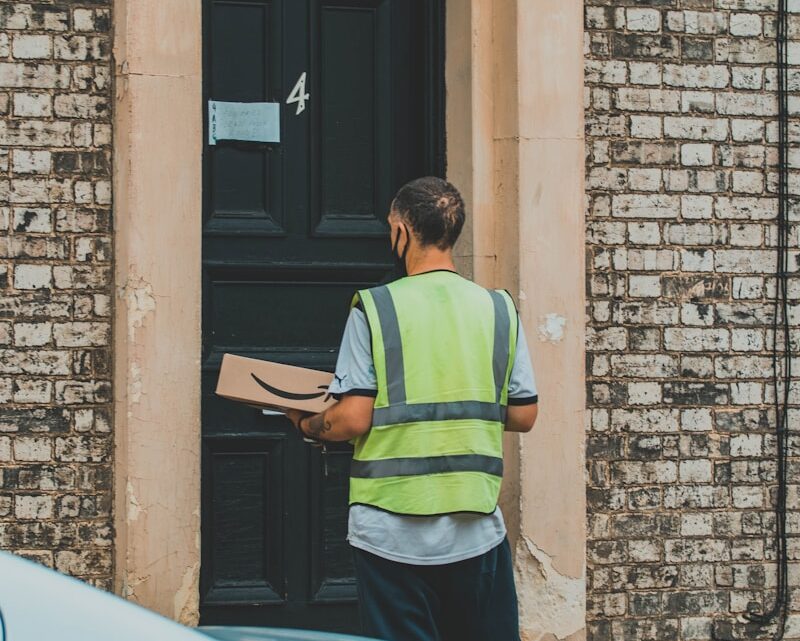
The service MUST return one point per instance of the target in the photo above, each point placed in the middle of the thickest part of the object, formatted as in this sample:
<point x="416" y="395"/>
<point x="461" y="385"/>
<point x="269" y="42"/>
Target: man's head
<point x="432" y="209"/>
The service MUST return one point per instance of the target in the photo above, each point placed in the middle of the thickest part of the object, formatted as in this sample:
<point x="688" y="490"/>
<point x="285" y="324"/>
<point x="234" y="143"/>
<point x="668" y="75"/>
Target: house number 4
<point x="299" y="94"/>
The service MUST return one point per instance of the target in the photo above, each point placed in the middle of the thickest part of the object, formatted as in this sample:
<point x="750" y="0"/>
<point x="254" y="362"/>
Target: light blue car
<point x="39" y="604"/>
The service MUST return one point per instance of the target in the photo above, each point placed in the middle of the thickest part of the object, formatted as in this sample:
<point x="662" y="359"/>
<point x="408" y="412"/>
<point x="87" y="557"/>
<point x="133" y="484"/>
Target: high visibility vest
<point x="443" y="348"/>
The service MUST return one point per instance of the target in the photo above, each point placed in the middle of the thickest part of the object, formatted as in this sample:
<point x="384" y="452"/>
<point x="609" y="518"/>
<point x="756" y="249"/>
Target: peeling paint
<point x="187" y="599"/>
<point x="130" y="582"/>
<point x="134" y="509"/>
<point x="138" y="295"/>
<point x="135" y="383"/>
<point x="551" y="328"/>
<point x="551" y="604"/>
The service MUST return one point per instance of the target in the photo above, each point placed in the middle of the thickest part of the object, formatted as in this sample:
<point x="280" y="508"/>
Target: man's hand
<point x="295" y="416"/>
<point x="342" y="421"/>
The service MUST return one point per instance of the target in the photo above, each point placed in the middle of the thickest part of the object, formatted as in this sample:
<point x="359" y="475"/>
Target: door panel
<point x="244" y="66"/>
<point x="246" y="553"/>
<point x="290" y="232"/>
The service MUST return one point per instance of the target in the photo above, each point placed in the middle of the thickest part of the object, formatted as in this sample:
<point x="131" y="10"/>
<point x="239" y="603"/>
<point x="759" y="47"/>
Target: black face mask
<point x="399" y="270"/>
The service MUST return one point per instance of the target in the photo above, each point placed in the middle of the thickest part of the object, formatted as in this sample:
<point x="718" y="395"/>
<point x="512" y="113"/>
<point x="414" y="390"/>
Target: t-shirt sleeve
<point x="522" y="384"/>
<point x="355" y="371"/>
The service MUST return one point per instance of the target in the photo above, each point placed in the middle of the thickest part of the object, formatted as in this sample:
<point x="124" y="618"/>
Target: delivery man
<point x="432" y="369"/>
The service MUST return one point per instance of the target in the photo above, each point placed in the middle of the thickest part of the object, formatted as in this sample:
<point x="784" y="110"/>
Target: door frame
<point x="514" y="109"/>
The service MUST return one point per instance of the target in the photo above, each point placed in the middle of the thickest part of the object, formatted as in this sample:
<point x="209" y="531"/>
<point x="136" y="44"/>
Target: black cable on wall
<point x="781" y="346"/>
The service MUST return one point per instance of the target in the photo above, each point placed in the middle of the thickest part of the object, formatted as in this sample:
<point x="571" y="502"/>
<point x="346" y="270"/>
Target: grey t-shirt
<point x="419" y="540"/>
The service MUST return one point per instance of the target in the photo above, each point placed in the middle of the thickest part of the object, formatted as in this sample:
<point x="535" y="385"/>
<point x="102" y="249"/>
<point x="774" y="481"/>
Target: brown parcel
<point x="275" y="385"/>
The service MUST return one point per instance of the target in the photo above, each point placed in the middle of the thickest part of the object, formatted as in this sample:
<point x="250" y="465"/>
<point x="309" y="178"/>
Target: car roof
<point x="39" y="603"/>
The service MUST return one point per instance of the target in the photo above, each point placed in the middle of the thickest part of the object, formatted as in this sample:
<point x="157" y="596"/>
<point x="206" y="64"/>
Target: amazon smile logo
<point x="292" y="396"/>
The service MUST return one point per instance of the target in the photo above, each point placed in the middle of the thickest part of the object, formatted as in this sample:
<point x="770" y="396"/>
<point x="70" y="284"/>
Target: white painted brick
<point x="102" y="135"/>
<point x="78" y="334"/>
<point x="33" y="105"/>
<point x="659" y="100"/>
<point x="746" y="104"/>
<point x="102" y="192"/>
<point x="613" y="72"/>
<point x="32" y="448"/>
<point x="746" y="445"/>
<point x="644" y="286"/>
<point x="748" y="287"/>
<point x="746" y="393"/>
<point x="33" y="507"/>
<point x="32" y="276"/>
<point x="83" y="192"/>
<point x="70" y="47"/>
<point x="645" y="206"/>
<point x="745" y="261"/>
<point x="746" y="208"/>
<point x="697" y="101"/>
<point x="742" y="235"/>
<point x="747" y="78"/>
<point x="80" y="106"/>
<point x="696" y="420"/>
<point x="696" y="471"/>
<point x="645" y="73"/>
<point x="31" y="46"/>
<point x="745" y="24"/>
<point x="697" y="314"/>
<point x="696" y="76"/>
<point x="82" y="133"/>
<point x="748" y="182"/>
<point x="747" y="340"/>
<point x="643" y="19"/>
<point x="744" y="130"/>
<point x="644" y="179"/>
<point x="697" y="155"/>
<point x="704" y="22"/>
<point x="687" y="339"/>
<point x="652" y="260"/>
<point x="697" y="207"/>
<point x="696" y="524"/>
<point x="33" y="391"/>
<point x="644" y="233"/>
<point x="704" y="129"/>
<point x="646" y="126"/>
<point x="27" y="161"/>
<point x="32" y="334"/>
<point x="697" y="260"/>
<point x="644" y="393"/>
<point x="83" y="19"/>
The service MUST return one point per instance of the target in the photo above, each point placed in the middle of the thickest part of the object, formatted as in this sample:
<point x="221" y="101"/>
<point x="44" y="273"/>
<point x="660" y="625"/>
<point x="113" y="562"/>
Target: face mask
<point x="399" y="270"/>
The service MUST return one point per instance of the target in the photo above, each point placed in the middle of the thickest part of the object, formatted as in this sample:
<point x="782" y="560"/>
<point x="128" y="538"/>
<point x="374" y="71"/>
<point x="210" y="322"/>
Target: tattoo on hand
<point x="317" y="425"/>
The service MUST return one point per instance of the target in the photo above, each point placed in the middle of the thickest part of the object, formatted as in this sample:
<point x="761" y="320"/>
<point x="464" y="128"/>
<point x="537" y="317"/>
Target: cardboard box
<point x="274" y="385"/>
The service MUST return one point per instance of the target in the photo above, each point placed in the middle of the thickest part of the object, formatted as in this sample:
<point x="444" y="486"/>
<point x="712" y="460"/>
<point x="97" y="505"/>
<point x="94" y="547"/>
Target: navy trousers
<point x="471" y="600"/>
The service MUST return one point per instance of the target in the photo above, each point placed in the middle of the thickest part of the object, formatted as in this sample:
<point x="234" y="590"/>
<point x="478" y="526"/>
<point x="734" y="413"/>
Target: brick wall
<point x="681" y="180"/>
<point x="55" y="285"/>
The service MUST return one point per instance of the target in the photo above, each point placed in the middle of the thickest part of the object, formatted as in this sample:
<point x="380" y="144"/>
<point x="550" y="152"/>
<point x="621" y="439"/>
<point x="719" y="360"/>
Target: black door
<point x="290" y="231"/>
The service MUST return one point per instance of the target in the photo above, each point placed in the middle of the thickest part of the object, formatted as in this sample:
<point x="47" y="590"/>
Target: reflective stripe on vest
<point x="427" y="465"/>
<point x="453" y="462"/>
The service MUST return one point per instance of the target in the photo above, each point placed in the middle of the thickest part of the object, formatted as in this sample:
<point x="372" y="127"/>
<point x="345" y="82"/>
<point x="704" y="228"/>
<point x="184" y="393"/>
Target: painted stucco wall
<point x="517" y="154"/>
<point x="157" y="187"/>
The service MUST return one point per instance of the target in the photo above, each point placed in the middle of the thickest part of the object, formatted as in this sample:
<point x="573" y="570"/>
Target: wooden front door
<point x="290" y="231"/>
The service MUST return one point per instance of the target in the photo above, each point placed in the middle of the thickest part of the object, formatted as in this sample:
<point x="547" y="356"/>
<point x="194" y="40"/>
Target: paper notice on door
<point x="253" y="121"/>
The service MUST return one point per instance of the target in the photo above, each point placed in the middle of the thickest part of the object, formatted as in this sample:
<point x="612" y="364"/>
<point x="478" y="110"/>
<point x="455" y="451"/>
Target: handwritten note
<point x="253" y="121"/>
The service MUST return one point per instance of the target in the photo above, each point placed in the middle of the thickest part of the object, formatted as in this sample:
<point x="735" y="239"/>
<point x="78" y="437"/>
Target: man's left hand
<point x="295" y="416"/>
